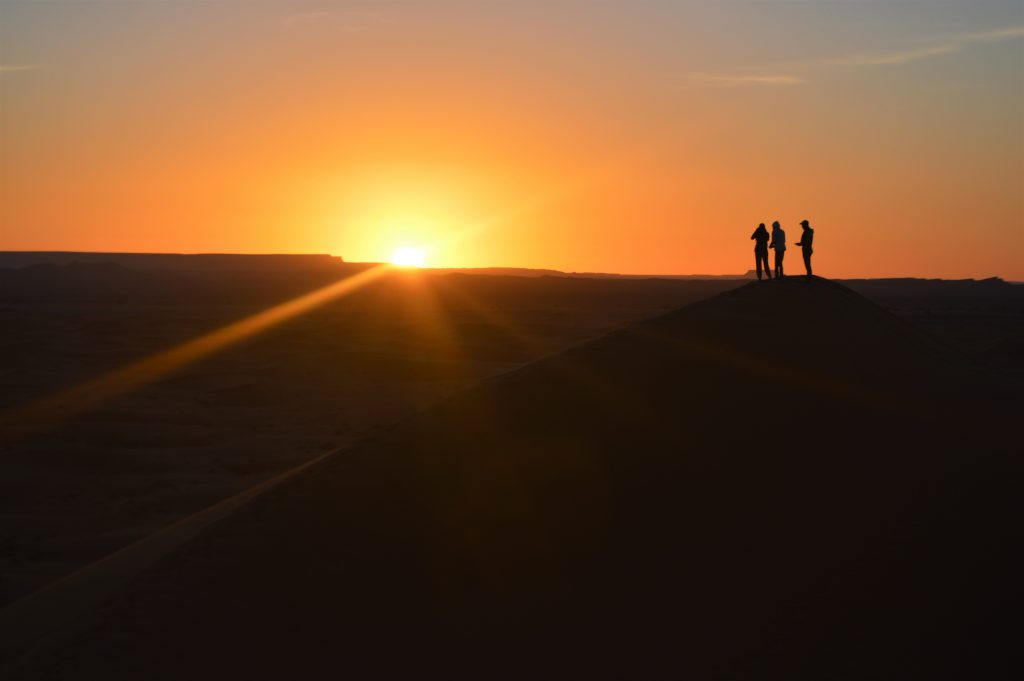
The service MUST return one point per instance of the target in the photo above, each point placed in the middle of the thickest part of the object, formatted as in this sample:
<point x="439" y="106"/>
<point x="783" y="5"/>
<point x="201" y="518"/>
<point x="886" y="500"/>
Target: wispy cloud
<point x="16" y="68"/>
<point x="741" y="80"/>
<point x="795" y="73"/>
<point x="304" y="17"/>
<point x="935" y="47"/>
<point x="345" y="21"/>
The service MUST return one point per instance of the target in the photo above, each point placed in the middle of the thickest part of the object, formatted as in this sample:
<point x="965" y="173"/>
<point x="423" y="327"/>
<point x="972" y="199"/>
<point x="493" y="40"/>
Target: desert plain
<point x="517" y="467"/>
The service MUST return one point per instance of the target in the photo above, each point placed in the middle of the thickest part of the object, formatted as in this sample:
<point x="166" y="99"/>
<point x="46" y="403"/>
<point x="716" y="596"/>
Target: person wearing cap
<point x="806" y="240"/>
<point x="760" y="238"/>
<point x="779" y="244"/>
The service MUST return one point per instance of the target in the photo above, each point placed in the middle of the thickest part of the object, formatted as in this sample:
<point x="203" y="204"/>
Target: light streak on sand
<point x="44" y="412"/>
<point x="26" y="621"/>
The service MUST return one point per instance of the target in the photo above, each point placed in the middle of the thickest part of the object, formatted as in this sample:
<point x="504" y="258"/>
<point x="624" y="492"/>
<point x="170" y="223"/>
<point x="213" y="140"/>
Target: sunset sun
<point x="408" y="256"/>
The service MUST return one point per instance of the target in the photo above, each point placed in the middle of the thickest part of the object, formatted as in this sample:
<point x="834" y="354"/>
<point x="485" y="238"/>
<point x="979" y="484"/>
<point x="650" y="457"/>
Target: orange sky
<point x="629" y="137"/>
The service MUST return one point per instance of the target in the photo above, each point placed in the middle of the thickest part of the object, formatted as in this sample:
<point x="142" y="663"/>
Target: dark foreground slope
<point x="783" y="481"/>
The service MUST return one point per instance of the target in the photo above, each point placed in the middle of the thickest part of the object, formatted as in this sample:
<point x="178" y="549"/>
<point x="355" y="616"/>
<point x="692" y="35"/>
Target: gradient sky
<point x="633" y="136"/>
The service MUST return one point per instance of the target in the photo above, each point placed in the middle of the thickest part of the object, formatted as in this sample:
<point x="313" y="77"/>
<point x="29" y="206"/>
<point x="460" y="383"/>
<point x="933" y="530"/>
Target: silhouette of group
<point x="777" y="240"/>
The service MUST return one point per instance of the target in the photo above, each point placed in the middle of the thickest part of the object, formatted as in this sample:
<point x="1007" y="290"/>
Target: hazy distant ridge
<point x="171" y="261"/>
<point x="230" y="261"/>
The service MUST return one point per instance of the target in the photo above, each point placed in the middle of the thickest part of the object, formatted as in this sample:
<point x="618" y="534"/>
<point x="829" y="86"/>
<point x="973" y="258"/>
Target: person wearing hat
<point x="806" y="240"/>
<point x="779" y="244"/>
<point x="760" y="238"/>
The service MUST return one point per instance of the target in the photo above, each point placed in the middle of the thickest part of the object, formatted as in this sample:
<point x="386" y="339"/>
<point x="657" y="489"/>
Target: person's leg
<point x="807" y="262"/>
<point x="767" y="268"/>
<point x="778" y="264"/>
<point x="757" y="261"/>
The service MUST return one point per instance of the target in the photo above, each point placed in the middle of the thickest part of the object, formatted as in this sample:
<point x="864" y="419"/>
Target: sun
<point x="407" y="256"/>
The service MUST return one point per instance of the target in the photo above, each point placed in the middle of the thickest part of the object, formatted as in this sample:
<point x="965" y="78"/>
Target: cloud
<point x="742" y="80"/>
<point x="304" y="17"/>
<point x="345" y="21"/>
<point x="948" y="44"/>
<point x="15" y="68"/>
<point x="926" y="49"/>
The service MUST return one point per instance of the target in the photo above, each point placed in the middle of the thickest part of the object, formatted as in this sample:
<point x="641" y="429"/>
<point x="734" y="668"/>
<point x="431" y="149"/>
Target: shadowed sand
<point x="783" y="481"/>
<point x="130" y="465"/>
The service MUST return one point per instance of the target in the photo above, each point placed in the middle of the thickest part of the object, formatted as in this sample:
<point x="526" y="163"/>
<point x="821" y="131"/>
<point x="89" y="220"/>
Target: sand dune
<point x="127" y="468"/>
<point x="784" y="481"/>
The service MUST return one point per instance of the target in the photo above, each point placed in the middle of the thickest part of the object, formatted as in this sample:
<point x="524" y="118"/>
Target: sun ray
<point x="47" y="411"/>
<point x="435" y="320"/>
<point x="597" y="387"/>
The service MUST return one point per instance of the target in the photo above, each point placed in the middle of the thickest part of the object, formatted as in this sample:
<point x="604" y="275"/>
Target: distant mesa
<point x="207" y="262"/>
<point x="529" y="272"/>
<point x="171" y="261"/>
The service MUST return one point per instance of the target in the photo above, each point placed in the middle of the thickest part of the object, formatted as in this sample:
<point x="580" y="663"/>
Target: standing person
<point x="779" y="244"/>
<point x="760" y="237"/>
<point x="806" y="240"/>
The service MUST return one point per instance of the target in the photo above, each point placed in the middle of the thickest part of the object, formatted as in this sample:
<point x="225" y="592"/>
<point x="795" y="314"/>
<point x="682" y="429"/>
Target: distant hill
<point x="170" y="261"/>
<point x="281" y="262"/>
<point x="296" y="262"/>
<point x="783" y="481"/>
<point x="527" y="272"/>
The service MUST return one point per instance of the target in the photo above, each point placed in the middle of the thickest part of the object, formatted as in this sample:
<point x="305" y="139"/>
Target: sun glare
<point x="409" y="257"/>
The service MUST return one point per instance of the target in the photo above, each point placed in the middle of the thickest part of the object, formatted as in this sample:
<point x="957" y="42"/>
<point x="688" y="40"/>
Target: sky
<point x="638" y="136"/>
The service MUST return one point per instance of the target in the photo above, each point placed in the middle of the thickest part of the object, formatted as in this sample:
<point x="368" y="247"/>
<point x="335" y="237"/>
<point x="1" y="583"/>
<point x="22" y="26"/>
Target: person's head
<point x="805" y="224"/>
<point x="761" y="226"/>
<point x="776" y="225"/>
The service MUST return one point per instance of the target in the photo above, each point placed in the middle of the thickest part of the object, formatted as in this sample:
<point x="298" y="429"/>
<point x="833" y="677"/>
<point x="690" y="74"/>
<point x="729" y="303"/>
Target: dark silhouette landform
<point x="781" y="481"/>
<point x="126" y="468"/>
<point x="171" y="261"/>
<point x="281" y="263"/>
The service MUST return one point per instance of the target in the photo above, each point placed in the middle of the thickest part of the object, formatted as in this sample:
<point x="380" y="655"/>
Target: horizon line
<point x="450" y="269"/>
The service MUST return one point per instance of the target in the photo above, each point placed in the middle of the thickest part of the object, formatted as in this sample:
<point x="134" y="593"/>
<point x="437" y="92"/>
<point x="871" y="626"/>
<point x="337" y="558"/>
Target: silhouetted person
<point x="806" y="240"/>
<point x="760" y="237"/>
<point x="779" y="244"/>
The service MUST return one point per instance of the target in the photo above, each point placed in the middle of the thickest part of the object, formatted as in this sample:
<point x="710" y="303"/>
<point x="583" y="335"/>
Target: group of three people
<point x="778" y="242"/>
